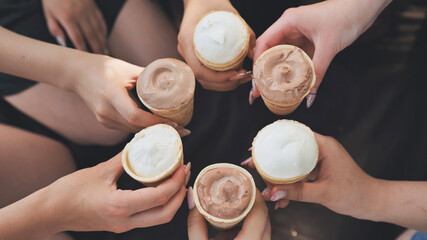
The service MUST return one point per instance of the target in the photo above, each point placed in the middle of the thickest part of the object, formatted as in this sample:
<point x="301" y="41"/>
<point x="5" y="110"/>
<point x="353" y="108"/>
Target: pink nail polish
<point x="311" y="97"/>
<point x="278" y="195"/>
<point x="190" y="199"/>
<point x="246" y="161"/>
<point x="187" y="168"/>
<point x="250" y="149"/>
<point x="276" y="206"/>
<point x="264" y="191"/>
<point x="251" y="99"/>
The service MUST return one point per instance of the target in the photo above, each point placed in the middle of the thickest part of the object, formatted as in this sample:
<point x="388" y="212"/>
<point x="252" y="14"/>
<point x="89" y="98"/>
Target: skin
<point x="315" y="29"/>
<point x="342" y="186"/>
<point x="194" y="10"/>
<point x="88" y="200"/>
<point x="58" y="103"/>
<point x="256" y="225"/>
<point x="81" y="20"/>
<point x="100" y="81"/>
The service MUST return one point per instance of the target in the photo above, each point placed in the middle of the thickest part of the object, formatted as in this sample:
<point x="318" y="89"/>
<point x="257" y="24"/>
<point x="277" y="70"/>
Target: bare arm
<point x="101" y="81"/>
<point x="88" y="200"/>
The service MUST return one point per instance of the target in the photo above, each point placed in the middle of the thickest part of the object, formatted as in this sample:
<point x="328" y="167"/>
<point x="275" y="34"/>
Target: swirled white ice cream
<point x="285" y="149"/>
<point x="220" y="37"/>
<point x="154" y="150"/>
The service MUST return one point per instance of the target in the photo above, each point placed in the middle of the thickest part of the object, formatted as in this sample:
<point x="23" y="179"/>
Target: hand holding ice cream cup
<point x="214" y="40"/>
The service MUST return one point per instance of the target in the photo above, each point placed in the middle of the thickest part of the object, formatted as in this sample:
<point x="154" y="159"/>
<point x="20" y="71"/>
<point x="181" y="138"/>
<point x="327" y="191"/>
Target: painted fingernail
<point x="246" y="161"/>
<point x="311" y="97"/>
<point x="61" y="41"/>
<point x="251" y="99"/>
<point x="187" y="168"/>
<point x="184" y="132"/>
<point x="264" y="191"/>
<point x="276" y="206"/>
<point x="172" y="124"/>
<point x="240" y="76"/>
<point x="190" y="199"/>
<point x="250" y="149"/>
<point x="187" y="178"/>
<point x="278" y="195"/>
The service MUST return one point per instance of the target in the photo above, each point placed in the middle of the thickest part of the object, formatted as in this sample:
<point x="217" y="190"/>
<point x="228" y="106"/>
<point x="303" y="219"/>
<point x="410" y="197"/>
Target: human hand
<point x="88" y="200"/>
<point x="340" y="184"/>
<point x="256" y="225"/>
<point x="194" y="10"/>
<point x="82" y="21"/>
<point x="321" y="30"/>
<point x="103" y="83"/>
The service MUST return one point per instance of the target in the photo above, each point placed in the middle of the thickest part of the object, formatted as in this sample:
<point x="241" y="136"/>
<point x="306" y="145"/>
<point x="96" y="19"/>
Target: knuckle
<point x="132" y="117"/>
<point x="162" y="199"/>
<point x="168" y="216"/>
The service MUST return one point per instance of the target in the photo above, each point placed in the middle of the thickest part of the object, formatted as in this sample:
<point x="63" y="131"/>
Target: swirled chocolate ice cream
<point x="284" y="74"/>
<point x="166" y="83"/>
<point x="224" y="192"/>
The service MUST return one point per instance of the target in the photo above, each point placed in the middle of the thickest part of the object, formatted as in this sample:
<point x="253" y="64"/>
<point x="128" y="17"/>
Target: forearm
<point x="37" y="60"/>
<point x="400" y="202"/>
<point x="33" y="217"/>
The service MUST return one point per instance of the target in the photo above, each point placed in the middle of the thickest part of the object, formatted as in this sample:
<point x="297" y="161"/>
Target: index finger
<point x="254" y="224"/>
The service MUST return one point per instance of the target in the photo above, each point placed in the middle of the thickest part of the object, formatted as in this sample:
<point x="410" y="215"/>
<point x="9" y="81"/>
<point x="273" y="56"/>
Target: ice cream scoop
<point x="284" y="75"/>
<point x="221" y="40"/>
<point x="166" y="87"/>
<point x="284" y="152"/>
<point x="224" y="194"/>
<point x="153" y="154"/>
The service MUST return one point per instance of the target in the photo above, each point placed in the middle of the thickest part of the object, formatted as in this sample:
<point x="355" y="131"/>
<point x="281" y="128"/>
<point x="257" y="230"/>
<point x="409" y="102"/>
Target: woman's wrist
<point x="33" y="217"/>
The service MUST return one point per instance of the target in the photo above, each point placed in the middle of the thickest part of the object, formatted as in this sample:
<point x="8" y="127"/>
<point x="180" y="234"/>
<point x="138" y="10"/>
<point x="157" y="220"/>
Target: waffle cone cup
<point x="236" y="63"/>
<point x="220" y="223"/>
<point x="272" y="181"/>
<point x="152" y="181"/>
<point x="181" y="114"/>
<point x="285" y="108"/>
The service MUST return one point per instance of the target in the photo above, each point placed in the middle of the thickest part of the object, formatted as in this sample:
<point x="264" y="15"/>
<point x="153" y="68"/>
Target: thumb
<point x="300" y="191"/>
<point x="197" y="228"/>
<point x="114" y="167"/>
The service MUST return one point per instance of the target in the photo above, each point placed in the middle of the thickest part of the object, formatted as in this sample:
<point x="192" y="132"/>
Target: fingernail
<point x="187" y="168"/>
<point x="250" y="149"/>
<point x="264" y="191"/>
<point x="187" y="178"/>
<point x="172" y="124"/>
<point x="311" y="97"/>
<point x="276" y="206"/>
<point x="190" y="198"/>
<point x="251" y="99"/>
<point x="184" y="132"/>
<point x="278" y="195"/>
<point x="240" y="76"/>
<point x="61" y="41"/>
<point x="106" y="52"/>
<point x="246" y="161"/>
